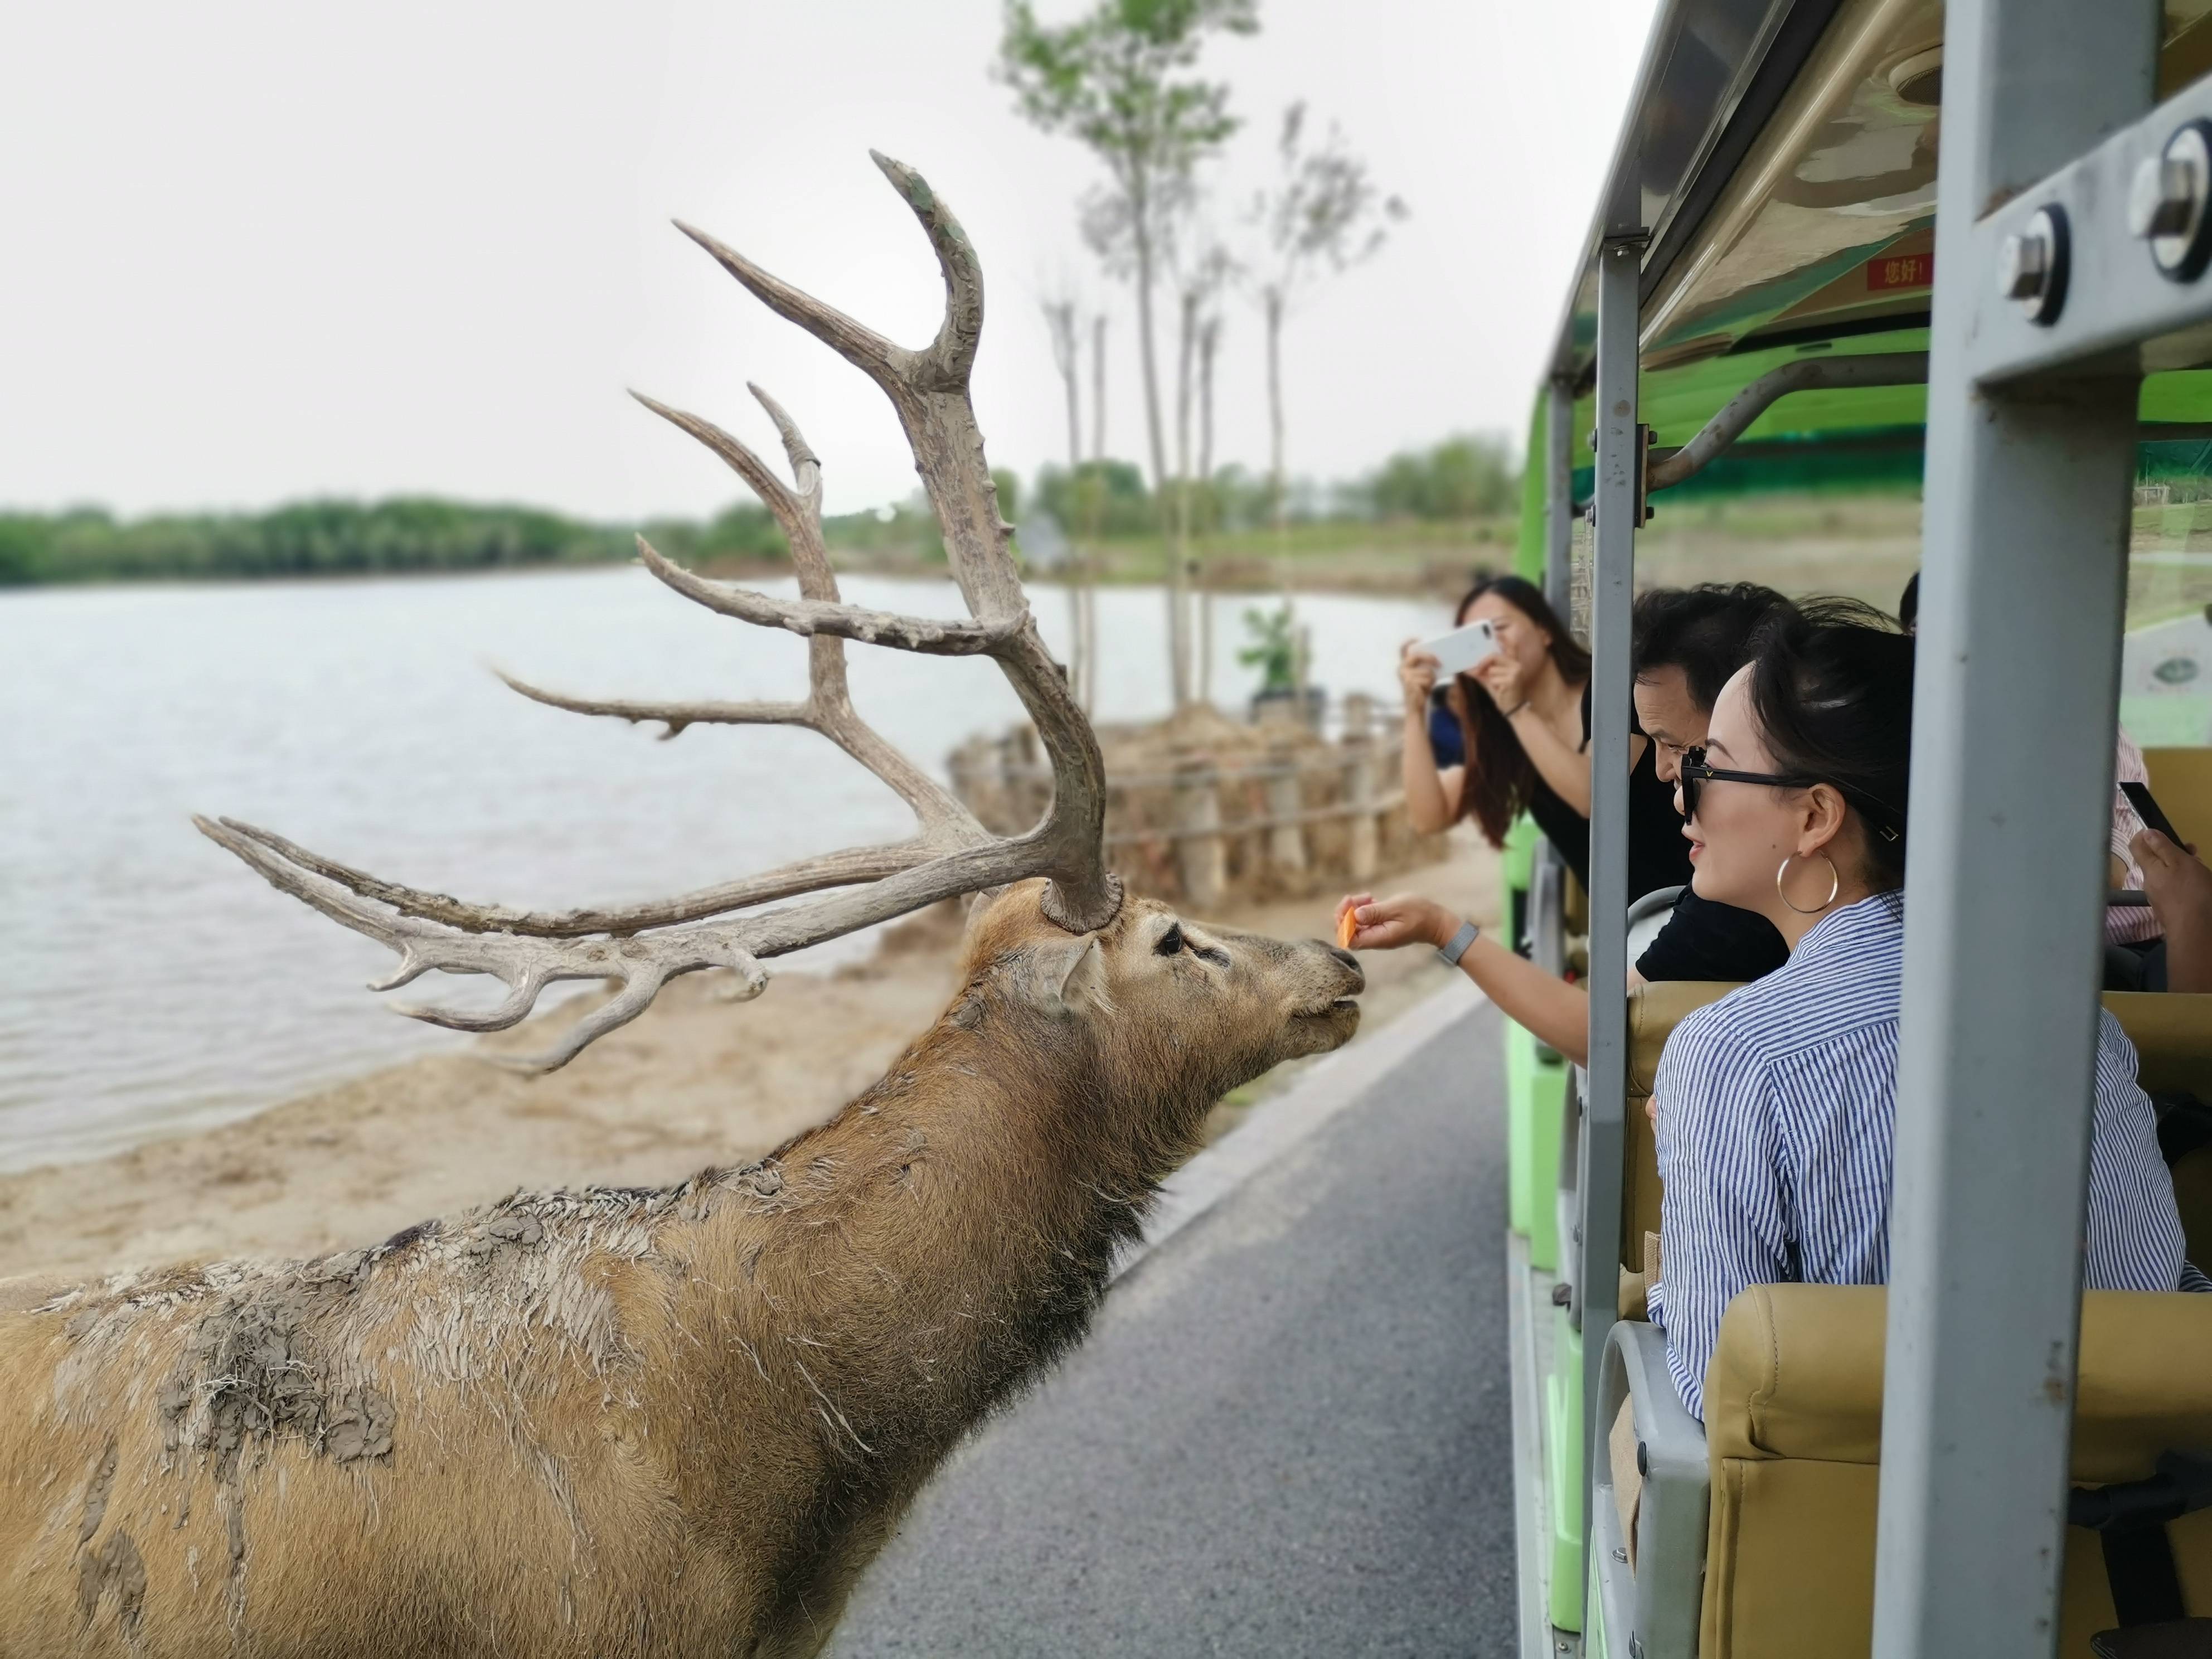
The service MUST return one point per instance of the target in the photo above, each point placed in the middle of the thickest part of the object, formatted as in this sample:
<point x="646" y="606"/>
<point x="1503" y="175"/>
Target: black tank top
<point x="1658" y="855"/>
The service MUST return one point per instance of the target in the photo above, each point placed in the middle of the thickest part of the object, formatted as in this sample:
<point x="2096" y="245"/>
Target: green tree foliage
<point x="316" y="538"/>
<point x="1466" y="476"/>
<point x="303" y="540"/>
<point x="1116" y="490"/>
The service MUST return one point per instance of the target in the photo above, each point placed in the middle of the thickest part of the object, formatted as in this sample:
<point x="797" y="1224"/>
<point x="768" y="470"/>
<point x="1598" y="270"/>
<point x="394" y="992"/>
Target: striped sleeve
<point x="2134" y="1241"/>
<point x="1723" y="1214"/>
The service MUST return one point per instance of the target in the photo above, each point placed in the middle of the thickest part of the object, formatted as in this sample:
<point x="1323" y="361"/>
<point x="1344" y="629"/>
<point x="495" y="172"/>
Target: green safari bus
<point x="1845" y="243"/>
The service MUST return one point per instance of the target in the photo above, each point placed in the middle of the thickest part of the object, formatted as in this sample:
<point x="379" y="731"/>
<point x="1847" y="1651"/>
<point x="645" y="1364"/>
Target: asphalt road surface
<point x="1289" y="1434"/>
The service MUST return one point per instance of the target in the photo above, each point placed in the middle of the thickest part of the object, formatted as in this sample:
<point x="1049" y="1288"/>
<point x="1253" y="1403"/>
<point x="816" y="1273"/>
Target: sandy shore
<point x="695" y="1081"/>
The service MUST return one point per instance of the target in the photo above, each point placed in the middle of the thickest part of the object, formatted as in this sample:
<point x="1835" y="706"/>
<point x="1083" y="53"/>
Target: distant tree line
<point x="338" y="538"/>
<point x="1463" y="478"/>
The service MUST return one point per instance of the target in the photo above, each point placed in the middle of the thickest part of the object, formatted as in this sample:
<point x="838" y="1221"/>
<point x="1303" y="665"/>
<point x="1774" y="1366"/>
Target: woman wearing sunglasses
<point x="1776" y="1105"/>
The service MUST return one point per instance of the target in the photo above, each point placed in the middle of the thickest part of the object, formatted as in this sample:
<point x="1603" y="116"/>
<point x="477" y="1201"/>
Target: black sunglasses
<point x="1695" y="774"/>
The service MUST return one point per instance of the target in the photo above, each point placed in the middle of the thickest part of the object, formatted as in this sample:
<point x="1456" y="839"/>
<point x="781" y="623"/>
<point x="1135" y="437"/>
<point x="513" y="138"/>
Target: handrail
<point x="1806" y="375"/>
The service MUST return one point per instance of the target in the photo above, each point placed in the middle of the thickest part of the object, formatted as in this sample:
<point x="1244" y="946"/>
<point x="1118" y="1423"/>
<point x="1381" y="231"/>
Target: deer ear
<point x="1065" y="976"/>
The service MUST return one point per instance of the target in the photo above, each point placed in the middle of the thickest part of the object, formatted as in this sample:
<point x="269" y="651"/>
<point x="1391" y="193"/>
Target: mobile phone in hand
<point x="2139" y="797"/>
<point x="1462" y="649"/>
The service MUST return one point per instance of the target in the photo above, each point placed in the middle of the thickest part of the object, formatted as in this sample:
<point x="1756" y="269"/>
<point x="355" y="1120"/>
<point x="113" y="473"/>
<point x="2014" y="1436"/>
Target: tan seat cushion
<point x="1798" y="1374"/>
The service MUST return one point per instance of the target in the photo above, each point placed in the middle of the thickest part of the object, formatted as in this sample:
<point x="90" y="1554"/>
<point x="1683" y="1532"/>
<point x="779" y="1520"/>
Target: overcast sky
<point x="255" y="251"/>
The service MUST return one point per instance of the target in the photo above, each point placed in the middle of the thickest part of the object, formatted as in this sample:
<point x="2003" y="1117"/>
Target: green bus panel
<point x="1562" y="1473"/>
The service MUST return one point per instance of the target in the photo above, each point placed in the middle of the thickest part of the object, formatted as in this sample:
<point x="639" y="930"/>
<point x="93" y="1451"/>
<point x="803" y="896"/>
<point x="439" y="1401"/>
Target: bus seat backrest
<point x="1793" y="1427"/>
<point x="1653" y="1011"/>
<point x="2172" y="1036"/>
<point x="2182" y="780"/>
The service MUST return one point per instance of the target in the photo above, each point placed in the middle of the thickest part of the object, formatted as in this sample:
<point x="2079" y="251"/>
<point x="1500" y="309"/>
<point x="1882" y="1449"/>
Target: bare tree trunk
<point x="1094" y="500"/>
<point x="1178" y="647"/>
<point x="1185" y="367"/>
<point x="1275" y="482"/>
<point x="1066" y="348"/>
<point x="1278" y="506"/>
<point x="1209" y="343"/>
<point x="1098" y="387"/>
<point x="1209" y="346"/>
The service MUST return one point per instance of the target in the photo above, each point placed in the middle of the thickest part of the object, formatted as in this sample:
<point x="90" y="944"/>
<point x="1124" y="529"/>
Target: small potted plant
<point x="1278" y="649"/>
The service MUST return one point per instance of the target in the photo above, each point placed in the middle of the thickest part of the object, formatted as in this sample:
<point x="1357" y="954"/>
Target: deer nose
<point x="1342" y="956"/>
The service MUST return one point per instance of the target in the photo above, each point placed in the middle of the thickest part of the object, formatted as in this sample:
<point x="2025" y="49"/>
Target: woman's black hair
<point x="1831" y="690"/>
<point x="1706" y="631"/>
<point x="1908" y="604"/>
<point x="1500" y="777"/>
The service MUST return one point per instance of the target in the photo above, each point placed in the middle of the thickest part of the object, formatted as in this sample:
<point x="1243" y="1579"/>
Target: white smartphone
<point x="1462" y="648"/>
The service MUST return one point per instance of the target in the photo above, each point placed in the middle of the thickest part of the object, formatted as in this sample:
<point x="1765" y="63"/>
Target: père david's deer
<point x="676" y="1421"/>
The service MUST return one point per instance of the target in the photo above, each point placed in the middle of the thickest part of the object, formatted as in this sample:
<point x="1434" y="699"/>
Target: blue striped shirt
<point x="1777" y="1112"/>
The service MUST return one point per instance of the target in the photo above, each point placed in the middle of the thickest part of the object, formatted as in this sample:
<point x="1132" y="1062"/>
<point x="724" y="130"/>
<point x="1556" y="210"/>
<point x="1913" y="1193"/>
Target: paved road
<point x="1289" y="1433"/>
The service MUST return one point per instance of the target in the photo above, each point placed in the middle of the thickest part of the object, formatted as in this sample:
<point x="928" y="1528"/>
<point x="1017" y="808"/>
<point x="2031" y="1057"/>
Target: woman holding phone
<point x="1523" y="713"/>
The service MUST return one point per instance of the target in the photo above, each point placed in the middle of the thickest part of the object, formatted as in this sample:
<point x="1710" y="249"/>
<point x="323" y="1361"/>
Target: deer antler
<point x="644" y="945"/>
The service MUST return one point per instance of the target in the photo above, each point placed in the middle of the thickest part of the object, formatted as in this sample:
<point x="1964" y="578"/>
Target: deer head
<point x="1136" y="1030"/>
<point x="643" y="946"/>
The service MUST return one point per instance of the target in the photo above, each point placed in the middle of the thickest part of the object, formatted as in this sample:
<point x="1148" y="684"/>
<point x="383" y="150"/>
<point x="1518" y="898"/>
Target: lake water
<point x="149" y="982"/>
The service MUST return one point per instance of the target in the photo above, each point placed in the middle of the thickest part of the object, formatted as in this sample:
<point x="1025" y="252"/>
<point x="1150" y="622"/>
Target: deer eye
<point x="1170" y="943"/>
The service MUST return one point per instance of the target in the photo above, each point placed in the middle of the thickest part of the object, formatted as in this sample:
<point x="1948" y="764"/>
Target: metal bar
<point x="1807" y="375"/>
<point x="2116" y="297"/>
<point x="2016" y="694"/>
<point x="1597" y="1273"/>
<point x="1560" y="496"/>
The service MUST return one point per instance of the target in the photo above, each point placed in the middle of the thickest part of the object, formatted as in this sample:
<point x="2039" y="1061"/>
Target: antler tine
<point x="859" y="345"/>
<point x="852" y="867"/>
<point x="527" y="966"/>
<point x="953" y="351"/>
<point x="675" y="715"/>
<point x="805" y="466"/>
<point x="798" y="511"/>
<point x="929" y="635"/>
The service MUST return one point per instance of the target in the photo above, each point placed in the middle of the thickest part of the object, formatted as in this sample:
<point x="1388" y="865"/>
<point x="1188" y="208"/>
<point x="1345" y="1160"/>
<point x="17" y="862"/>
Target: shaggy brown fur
<point x="623" y="1422"/>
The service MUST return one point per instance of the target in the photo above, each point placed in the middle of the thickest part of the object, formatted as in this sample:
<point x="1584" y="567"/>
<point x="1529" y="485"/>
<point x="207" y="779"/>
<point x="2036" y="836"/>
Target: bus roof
<point x="1780" y="156"/>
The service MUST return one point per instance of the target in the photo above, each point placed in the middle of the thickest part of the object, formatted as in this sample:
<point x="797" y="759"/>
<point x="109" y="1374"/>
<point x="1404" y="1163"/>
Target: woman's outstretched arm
<point x="1553" y="1011"/>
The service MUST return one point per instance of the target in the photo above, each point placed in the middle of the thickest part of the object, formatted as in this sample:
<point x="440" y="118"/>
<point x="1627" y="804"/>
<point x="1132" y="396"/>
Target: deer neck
<point x="894" y="1274"/>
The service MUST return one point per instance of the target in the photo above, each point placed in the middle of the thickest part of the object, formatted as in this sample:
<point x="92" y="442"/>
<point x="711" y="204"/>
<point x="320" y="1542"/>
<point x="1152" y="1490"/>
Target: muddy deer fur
<point x="615" y="1421"/>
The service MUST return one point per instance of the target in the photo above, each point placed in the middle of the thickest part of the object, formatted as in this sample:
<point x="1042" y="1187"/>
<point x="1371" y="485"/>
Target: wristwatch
<point x="1450" y="954"/>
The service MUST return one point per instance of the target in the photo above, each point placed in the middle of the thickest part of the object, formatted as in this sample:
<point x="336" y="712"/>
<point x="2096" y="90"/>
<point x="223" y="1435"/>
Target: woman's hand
<point x="2180" y="889"/>
<point x="1417" y="675"/>
<point x="1500" y="676"/>
<point x="1388" y="924"/>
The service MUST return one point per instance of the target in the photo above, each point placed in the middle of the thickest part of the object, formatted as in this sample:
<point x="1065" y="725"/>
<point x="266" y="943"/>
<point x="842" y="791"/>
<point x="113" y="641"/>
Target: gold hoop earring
<point x="1835" y="884"/>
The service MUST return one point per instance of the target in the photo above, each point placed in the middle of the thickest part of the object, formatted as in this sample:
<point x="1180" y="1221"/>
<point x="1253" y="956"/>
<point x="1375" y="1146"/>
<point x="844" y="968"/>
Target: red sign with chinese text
<point x="1895" y="270"/>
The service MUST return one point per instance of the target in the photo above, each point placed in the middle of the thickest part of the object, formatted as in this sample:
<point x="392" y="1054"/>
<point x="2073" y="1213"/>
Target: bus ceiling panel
<point x="2080" y="280"/>
<point x="1812" y="209"/>
<point x="1699" y="62"/>
<point x="1829" y="212"/>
